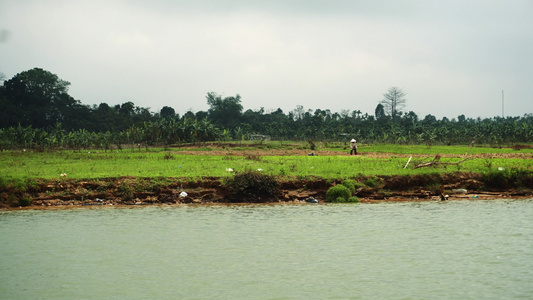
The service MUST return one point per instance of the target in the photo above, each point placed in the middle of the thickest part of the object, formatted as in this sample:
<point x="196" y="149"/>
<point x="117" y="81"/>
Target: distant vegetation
<point x="37" y="113"/>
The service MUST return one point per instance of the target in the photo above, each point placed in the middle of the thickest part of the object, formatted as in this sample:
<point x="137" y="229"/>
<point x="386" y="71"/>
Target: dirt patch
<point x="221" y="151"/>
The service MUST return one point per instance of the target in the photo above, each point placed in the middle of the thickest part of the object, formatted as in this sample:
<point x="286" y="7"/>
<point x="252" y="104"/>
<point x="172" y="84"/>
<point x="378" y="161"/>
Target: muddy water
<point x="428" y="250"/>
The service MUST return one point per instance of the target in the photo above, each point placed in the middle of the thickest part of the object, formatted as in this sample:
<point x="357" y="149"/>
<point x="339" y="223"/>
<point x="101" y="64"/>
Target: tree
<point x="380" y="111"/>
<point x="167" y="112"/>
<point x="411" y="116"/>
<point x="127" y="109"/>
<point x="104" y="117"/>
<point x="299" y="112"/>
<point x="394" y="101"/>
<point x="430" y="119"/>
<point x="201" y="115"/>
<point x="37" y="97"/>
<point x="224" y="112"/>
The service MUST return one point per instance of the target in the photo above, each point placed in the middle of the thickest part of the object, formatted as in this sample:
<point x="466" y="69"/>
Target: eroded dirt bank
<point x="175" y="191"/>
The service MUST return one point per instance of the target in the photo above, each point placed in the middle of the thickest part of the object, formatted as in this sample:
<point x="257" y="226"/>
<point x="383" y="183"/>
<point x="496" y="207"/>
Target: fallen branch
<point x="470" y="147"/>
<point x="408" y="162"/>
<point x="436" y="161"/>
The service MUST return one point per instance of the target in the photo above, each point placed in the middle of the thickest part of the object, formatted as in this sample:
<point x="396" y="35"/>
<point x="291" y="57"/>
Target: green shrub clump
<point x="358" y="184"/>
<point x="338" y="193"/>
<point x="353" y="199"/>
<point x="350" y="185"/>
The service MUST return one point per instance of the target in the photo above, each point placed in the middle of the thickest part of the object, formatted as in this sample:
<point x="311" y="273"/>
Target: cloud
<point x="451" y="57"/>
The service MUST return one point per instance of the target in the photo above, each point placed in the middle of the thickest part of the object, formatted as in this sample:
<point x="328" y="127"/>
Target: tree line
<point x="37" y="112"/>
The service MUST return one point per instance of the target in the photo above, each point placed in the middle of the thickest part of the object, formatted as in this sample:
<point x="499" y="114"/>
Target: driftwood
<point x="436" y="161"/>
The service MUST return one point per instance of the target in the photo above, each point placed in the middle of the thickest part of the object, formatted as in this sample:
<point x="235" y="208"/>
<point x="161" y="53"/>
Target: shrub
<point x="349" y="184"/>
<point x="168" y="156"/>
<point x="508" y="178"/>
<point x="338" y="191"/>
<point x="252" y="185"/>
<point x="353" y="199"/>
<point x="25" y="201"/>
<point x="125" y="191"/>
<point x="373" y="182"/>
<point x="358" y="184"/>
<point x="252" y="156"/>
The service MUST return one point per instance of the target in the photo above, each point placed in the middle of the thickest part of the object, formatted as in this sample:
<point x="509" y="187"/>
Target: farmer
<point x="353" y="147"/>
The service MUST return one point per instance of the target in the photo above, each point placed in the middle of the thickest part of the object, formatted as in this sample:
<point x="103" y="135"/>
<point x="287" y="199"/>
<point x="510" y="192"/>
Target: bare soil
<point x="226" y="150"/>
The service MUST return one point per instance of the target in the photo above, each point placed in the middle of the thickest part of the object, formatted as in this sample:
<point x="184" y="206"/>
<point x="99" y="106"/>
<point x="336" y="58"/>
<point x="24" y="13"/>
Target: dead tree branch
<point x="436" y="162"/>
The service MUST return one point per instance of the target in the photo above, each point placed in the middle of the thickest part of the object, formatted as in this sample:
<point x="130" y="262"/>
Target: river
<point x="416" y="250"/>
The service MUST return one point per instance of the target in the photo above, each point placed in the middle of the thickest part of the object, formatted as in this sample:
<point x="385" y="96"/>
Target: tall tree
<point x="224" y="112"/>
<point x="38" y="98"/>
<point x="394" y="100"/>
<point x="104" y="118"/>
<point x="380" y="111"/>
<point x="167" y="112"/>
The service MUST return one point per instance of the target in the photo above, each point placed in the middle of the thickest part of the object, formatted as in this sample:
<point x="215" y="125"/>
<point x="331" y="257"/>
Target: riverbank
<point x="128" y="191"/>
<point x="203" y="174"/>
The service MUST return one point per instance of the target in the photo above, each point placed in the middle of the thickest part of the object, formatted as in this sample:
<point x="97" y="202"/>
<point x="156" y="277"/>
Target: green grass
<point x="152" y="163"/>
<point x="422" y="149"/>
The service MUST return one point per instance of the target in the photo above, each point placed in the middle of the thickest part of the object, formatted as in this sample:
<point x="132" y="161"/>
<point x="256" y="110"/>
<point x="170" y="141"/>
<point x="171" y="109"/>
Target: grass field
<point x="241" y="172"/>
<point x="215" y="160"/>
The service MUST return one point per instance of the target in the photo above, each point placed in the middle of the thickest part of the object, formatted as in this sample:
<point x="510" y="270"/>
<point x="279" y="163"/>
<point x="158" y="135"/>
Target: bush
<point x="253" y="157"/>
<point x="168" y="156"/>
<point x="125" y="191"/>
<point x="349" y="184"/>
<point x="508" y="178"/>
<point x="252" y="185"/>
<point x="373" y="182"/>
<point x="358" y="184"/>
<point x="25" y="201"/>
<point x="353" y="199"/>
<point x="339" y="191"/>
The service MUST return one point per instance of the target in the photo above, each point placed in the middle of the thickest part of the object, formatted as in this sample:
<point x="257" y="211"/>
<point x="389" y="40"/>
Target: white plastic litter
<point x="183" y="194"/>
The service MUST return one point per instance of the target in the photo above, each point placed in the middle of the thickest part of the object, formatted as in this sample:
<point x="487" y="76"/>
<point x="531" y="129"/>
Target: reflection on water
<point x="422" y="250"/>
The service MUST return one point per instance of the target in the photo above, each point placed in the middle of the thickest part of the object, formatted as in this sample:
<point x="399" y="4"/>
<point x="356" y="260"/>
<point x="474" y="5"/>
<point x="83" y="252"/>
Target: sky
<point x="451" y="57"/>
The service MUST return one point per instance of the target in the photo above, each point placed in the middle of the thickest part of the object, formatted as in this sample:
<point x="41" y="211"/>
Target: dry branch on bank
<point x="436" y="162"/>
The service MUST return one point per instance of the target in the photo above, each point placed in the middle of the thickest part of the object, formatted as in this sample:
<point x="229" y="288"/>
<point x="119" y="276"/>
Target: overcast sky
<point x="451" y="57"/>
